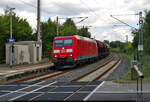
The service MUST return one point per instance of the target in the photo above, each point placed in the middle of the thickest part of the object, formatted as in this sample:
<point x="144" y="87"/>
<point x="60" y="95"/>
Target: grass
<point x="144" y="68"/>
<point x="115" y="50"/>
<point x="126" y="78"/>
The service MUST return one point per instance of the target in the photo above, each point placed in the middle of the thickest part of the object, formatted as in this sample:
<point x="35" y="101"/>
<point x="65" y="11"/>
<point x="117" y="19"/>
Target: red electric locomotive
<point x="69" y="51"/>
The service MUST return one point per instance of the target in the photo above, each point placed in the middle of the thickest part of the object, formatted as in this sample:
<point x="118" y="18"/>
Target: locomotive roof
<point x="77" y="36"/>
<point x="85" y="38"/>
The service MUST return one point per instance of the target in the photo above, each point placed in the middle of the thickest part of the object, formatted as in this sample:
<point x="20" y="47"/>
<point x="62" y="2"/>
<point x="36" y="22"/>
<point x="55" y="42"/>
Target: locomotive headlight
<point x="69" y="50"/>
<point x="56" y="56"/>
<point x="56" y="51"/>
<point x="70" y="55"/>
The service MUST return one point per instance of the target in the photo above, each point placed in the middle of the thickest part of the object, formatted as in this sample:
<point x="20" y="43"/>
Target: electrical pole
<point x="57" y="33"/>
<point x="140" y="44"/>
<point x="11" y="22"/>
<point x="127" y="38"/>
<point x="38" y="21"/>
<point x="39" y="41"/>
<point x="11" y="47"/>
<point x="127" y="42"/>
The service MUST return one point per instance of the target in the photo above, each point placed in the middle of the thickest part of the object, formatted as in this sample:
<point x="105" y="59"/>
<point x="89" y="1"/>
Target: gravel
<point x="118" y="72"/>
<point x="80" y="71"/>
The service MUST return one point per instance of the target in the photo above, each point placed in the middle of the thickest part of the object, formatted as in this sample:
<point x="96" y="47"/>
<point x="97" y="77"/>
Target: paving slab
<point x="110" y="86"/>
<point x="8" y="70"/>
<point x="110" y="91"/>
<point x="52" y="97"/>
<point x="95" y="91"/>
<point x="7" y="73"/>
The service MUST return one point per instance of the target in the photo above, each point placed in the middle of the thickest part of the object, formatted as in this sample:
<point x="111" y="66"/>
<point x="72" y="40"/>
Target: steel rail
<point x="98" y="67"/>
<point x="59" y="74"/>
<point x="106" y="71"/>
<point x="92" y="80"/>
<point x="32" y="99"/>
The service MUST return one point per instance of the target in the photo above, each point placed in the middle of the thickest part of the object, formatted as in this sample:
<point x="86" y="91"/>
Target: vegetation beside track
<point x="131" y="48"/>
<point x="127" y="76"/>
<point x="144" y="68"/>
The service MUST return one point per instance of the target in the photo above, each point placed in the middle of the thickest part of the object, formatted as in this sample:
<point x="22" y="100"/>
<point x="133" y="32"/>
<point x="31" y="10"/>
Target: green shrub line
<point x="144" y="68"/>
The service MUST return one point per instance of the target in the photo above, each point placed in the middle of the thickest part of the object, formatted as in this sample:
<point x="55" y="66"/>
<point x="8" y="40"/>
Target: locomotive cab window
<point x="58" y="43"/>
<point x="68" y="42"/>
<point x="63" y="42"/>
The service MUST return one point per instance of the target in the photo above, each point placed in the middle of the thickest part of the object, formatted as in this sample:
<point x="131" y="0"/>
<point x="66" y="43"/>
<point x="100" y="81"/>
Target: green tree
<point x="115" y="44"/>
<point x="68" y="27"/>
<point x="48" y="32"/>
<point x="84" y="32"/>
<point x="135" y="39"/>
<point x="106" y="41"/>
<point x="21" y="30"/>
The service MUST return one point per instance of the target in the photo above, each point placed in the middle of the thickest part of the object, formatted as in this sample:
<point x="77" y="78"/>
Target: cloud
<point x="31" y="17"/>
<point x="19" y="5"/>
<point x="97" y="11"/>
<point x="1" y="11"/>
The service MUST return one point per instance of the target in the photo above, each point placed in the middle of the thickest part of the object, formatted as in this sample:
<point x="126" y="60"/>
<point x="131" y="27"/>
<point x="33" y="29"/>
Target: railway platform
<point x="7" y="72"/>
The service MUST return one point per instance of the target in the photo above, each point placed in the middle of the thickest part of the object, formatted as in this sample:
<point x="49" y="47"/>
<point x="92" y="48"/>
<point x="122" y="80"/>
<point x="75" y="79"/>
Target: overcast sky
<point x="97" y="11"/>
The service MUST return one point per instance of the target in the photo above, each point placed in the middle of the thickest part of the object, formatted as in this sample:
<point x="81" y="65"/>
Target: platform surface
<point x="6" y="70"/>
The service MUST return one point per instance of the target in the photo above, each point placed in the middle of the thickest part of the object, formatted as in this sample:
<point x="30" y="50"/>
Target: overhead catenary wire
<point x="82" y="3"/>
<point x="89" y="9"/>
<point x="31" y="5"/>
<point x="64" y="7"/>
<point x="123" y="22"/>
<point x="118" y="14"/>
<point x="103" y="12"/>
<point x="126" y="14"/>
<point x="71" y="11"/>
<point x="45" y="11"/>
<point x="107" y="13"/>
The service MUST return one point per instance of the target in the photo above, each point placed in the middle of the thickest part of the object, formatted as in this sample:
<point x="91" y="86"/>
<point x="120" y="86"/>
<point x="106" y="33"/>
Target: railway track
<point x="56" y="73"/>
<point x="119" y="59"/>
<point x="45" y="84"/>
<point x="99" y="71"/>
